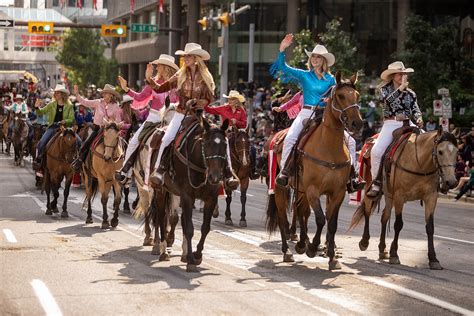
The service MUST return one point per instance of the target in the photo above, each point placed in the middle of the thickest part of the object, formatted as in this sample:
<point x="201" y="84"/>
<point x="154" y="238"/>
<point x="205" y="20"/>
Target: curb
<point x="464" y="198"/>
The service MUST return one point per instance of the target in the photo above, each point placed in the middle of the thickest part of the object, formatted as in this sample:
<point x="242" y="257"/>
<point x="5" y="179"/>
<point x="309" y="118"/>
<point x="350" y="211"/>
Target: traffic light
<point x="41" y="27"/>
<point x="114" y="30"/>
<point x="224" y="19"/>
<point x="204" y="22"/>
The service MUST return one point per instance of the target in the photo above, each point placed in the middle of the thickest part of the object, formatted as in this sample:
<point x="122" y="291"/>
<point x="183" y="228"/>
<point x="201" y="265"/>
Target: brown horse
<point x="19" y="138"/>
<point x="196" y="172"/>
<point x="4" y="131"/>
<point x="417" y="166"/>
<point x="59" y="155"/>
<point x="239" y="143"/>
<point x="38" y="132"/>
<point x="99" y="170"/>
<point x="3" y="120"/>
<point x="323" y="169"/>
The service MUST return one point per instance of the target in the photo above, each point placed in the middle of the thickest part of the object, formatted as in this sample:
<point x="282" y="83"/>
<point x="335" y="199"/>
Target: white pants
<point x="351" y="144"/>
<point x="383" y="141"/>
<point x="293" y="133"/>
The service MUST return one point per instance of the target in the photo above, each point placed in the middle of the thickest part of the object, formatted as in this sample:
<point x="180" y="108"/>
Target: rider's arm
<point x="216" y="110"/>
<point x="45" y="108"/>
<point x="241" y="121"/>
<point x="171" y="83"/>
<point x="389" y="96"/>
<point x="293" y="101"/>
<point x="142" y="95"/>
<point x="415" y="109"/>
<point x="280" y="69"/>
<point x="68" y="117"/>
<point x="92" y="104"/>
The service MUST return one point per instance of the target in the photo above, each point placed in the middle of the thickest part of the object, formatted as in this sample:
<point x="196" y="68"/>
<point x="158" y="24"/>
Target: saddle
<point x="97" y="140"/>
<point x="147" y="131"/>
<point x="189" y="124"/>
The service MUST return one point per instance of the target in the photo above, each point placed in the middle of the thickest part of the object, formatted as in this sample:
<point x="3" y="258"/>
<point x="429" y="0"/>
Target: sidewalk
<point x="465" y="198"/>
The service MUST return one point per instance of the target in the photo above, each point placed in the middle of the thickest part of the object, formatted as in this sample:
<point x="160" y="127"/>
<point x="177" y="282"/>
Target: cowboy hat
<point x="321" y="50"/>
<point x="193" y="49"/>
<point x="126" y="98"/>
<point x="108" y="88"/>
<point x="393" y="68"/>
<point x="235" y="94"/>
<point x="19" y="96"/>
<point x="166" y="60"/>
<point x="61" y="88"/>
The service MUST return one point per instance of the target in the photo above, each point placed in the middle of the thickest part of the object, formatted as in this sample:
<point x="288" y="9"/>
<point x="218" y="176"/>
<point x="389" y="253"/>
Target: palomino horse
<point x="60" y="152"/>
<point x="239" y="143"/>
<point x="323" y="169"/>
<point x="419" y="166"/>
<point x="196" y="172"/>
<point x="19" y="138"/>
<point x="99" y="169"/>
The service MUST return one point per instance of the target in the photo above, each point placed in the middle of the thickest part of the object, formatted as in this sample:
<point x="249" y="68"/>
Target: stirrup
<point x="355" y="185"/>
<point x="120" y="177"/>
<point x="157" y="178"/>
<point x="374" y="190"/>
<point x="282" y="179"/>
<point x="231" y="183"/>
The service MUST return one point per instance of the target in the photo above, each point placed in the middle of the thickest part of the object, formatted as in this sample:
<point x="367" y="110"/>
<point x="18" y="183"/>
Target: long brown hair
<point x="202" y="68"/>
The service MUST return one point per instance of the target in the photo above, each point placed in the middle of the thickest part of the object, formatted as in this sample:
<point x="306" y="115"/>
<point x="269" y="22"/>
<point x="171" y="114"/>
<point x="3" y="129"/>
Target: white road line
<point x="45" y="298"/>
<point x="9" y="235"/>
<point x="297" y="299"/>
<point x="416" y="295"/>
<point x="242" y="237"/>
<point x="454" y="239"/>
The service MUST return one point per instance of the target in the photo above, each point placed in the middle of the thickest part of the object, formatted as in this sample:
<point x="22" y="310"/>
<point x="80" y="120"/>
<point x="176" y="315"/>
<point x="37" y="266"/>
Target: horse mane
<point x="447" y="136"/>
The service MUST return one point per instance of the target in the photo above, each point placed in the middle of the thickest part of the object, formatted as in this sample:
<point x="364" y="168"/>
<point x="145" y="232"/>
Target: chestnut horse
<point x="417" y="166"/>
<point x="19" y="138"/>
<point x="59" y="155"/>
<point x="323" y="169"/>
<point x="99" y="170"/>
<point x="239" y="143"/>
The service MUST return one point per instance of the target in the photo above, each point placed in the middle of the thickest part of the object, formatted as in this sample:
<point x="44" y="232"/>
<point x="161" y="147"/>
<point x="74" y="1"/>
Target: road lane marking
<point x="9" y="235"/>
<point x="299" y="300"/>
<point x="417" y="295"/>
<point x="45" y="298"/>
<point x="454" y="239"/>
<point x="242" y="237"/>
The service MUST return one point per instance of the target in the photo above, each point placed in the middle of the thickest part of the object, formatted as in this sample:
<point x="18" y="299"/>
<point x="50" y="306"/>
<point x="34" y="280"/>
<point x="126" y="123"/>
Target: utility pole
<point x="250" y="76"/>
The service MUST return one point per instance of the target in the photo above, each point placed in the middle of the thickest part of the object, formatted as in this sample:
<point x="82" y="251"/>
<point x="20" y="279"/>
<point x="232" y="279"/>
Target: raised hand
<point x="286" y="42"/>
<point x="76" y="90"/>
<point x="149" y="71"/>
<point x="123" y="83"/>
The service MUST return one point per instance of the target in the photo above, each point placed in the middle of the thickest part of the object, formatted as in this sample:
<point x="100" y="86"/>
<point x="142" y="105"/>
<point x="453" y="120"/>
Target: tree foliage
<point x="82" y="54"/>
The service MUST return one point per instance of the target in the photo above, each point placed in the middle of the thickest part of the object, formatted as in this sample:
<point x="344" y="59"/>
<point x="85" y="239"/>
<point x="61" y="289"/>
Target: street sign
<point x="447" y="108"/>
<point x="444" y="123"/>
<point x="443" y="91"/>
<point x="7" y="23"/>
<point x="145" y="28"/>
<point x="437" y="108"/>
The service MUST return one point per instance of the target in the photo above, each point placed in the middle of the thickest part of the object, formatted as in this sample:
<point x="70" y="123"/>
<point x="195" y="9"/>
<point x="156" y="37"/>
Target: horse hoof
<point x="148" y="242"/>
<point x="126" y="211"/>
<point x="394" y="260"/>
<point x="229" y="222"/>
<point x="300" y="249"/>
<point x="334" y="265"/>
<point x="114" y="222"/>
<point x="215" y="214"/>
<point x="288" y="257"/>
<point x="197" y="259"/>
<point x="310" y="251"/>
<point x="191" y="268"/>
<point x="294" y="237"/>
<point x="169" y="242"/>
<point x="155" y="251"/>
<point x="164" y="257"/>
<point x="48" y="212"/>
<point x="64" y="214"/>
<point x="55" y="209"/>
<point x="363" y="244"/>
<point x="383" y="255"/>
<point x="89" y="220"/>
<point x="243" y="223"/>
<point x="434" y="265"/>
<point x="105" y="225"/>
<point x="184" y="259"/>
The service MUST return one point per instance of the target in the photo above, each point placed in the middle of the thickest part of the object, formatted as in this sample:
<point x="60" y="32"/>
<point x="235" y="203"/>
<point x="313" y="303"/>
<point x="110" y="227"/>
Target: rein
<point x="102" y="156"/>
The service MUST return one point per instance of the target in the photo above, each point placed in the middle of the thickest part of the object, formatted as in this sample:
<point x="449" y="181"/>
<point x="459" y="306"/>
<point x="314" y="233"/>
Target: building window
<point x="152" y="17"/>
<point x="55" y="3"/>
<point x="104" y="4"/>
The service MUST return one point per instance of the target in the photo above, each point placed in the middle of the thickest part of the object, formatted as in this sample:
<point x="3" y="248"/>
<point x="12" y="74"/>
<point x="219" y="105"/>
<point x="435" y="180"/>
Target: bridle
<point x="342" y="113"/>
<point x="239" y="151"/>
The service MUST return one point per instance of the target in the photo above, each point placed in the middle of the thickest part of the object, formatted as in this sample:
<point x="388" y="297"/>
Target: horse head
<point x="214" y="150"/>
<point x="68" y="142"/>
<point x="111" y="138"/>
<point x="240" y="145"/>
<point x="344" y="103"/>
<point x="445" y="154"/>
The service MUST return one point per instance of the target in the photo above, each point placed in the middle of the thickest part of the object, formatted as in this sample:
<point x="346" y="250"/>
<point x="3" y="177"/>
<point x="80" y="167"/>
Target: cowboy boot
<point x="230" y="182"/>
<point x="157" y="176"/>
<point x="284" y="174"/>
<point x="376" y="185"/>
<point x="122" y="175"/>
<point x="355" y="182"/>
<point x="81" y="157"/>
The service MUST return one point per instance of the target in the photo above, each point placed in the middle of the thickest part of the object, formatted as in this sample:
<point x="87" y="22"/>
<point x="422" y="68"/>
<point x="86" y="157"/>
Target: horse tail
<point x="94" y="188"/>
<point x="271" y="222"/>
<point x="144" y="204"/>
<point x="367" y="207"/>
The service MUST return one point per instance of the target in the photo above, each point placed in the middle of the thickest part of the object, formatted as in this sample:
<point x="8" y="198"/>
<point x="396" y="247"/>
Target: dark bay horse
<point x="4" y="121"/>
<point x="323" y="168"/>
<point x="59" y="155"/>
<point x="19" y="138"/>
<point x="99" y="170"/>
<point x="196" y="172"/>
<point x="419" y="167"/>
<point x="239" y="144"/>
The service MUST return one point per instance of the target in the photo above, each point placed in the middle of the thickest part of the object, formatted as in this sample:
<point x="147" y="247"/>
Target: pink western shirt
<point x="110" y="111"/>
<point x="158" y="99"/>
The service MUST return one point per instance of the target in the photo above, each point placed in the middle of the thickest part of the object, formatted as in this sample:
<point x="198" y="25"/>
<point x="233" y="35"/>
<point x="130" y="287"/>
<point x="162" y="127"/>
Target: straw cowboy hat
<point x="394" y="68"/>
<point x="321" y="50"/>
<point x="61" y="88"/>
<point x="19" y="96"/>
<point x="126" y="98"/>
<point x="235" y="94"/>
<point x="193" y="49"/>
<point x="166" y="60"/>
<point x="110" y="89"/>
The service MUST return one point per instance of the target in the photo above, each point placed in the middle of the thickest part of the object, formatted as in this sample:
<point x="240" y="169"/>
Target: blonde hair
<point x="324" y="66"/>
<point x="127" y="112"/>
<point x="64" y="97"/>
<point x="165" y="73"/>
<point x="205" y="74"/>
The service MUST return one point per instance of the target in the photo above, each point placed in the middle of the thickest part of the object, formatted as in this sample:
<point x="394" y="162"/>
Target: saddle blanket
<point x="272" y="159"/>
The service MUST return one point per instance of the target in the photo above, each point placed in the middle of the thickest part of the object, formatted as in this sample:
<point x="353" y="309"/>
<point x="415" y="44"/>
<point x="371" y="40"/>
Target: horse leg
<point x="148" y="241"/>
<point x="398" y="227"/>
<point x="334" y="203"/>
<point x="301" y="211"/>
<point x="281" y="202"/>
<point x="126" y="205"/>
<point x="387" y="212"/>
<point x="228" y="200"/>
<point x="67" y="186"/>
<point x="159" y="204"/>
<point x="47" y="188"/>
<point x="135" y="203"/>
<point x="209" y="206"/>
<point x="118" y="197"/>
<point x="55" y="185"/>
<point x="244" y="184"/>
<point x="104" y="191"/>
<point x="430" y="205"/>
<point x="315" y="203"/>
<point x="187" y="204"/>
<point x="89" y="184"/>
<point x="173" y="221"/>
<point x="364" y="242"/>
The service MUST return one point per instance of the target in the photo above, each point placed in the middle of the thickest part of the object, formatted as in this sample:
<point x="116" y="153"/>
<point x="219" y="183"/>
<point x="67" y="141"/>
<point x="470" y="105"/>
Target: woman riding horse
<point x="399" y="103"/>
<point x="166" y="68"/>
<point x="195" y="87"/>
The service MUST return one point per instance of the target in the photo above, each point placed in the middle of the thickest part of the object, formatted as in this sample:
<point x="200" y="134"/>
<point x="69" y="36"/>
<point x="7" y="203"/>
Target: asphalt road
<point x="57" y="266"/>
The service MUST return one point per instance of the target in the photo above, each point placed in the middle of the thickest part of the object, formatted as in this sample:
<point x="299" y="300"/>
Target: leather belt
<point x="312" y="107"/>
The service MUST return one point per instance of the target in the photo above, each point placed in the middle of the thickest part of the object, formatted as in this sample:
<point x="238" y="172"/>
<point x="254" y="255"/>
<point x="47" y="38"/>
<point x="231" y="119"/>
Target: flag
<point x="79" y="4"/>
<point x="161" y="6"/>
<point x="132" y="6"/>
<point x="94" y="4"/>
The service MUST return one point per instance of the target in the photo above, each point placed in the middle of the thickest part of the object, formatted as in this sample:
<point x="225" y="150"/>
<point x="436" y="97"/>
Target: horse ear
<point x="354" y="78"/>
<point x="225" y="125"/>
<point x="338" y="77"/>
<point x="62" y="128"/>
<point x="74" y="128"/>
<point x="440" y="130"/>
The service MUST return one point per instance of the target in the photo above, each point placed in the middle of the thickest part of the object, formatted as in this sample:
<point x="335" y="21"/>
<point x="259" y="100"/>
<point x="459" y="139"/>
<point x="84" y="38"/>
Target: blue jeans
<point x="48" y="134"/>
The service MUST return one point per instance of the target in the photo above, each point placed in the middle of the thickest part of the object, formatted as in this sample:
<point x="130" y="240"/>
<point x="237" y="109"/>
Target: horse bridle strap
<point x="341" y="112"/>
<point x="187" y="162"/>
<point x="330" y="165"/>
<point x="414" y="172"/>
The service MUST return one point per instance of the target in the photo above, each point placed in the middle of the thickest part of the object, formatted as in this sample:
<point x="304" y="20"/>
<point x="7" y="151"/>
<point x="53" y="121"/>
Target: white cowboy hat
<point x="19" y="96"/>
<point x="193" y="49"/>
<point x="108" y="88"/>
<point x="235" y="94"/>
<point x="394" y="68"/>
<point x="166" y="60"/>
<point x="61" y="88"/>
<point x="126" y="98"/>
<point x="321" y="50"/>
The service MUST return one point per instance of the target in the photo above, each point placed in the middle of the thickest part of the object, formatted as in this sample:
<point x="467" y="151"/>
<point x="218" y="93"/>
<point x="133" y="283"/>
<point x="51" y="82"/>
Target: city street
<point x="55" y="266"/>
